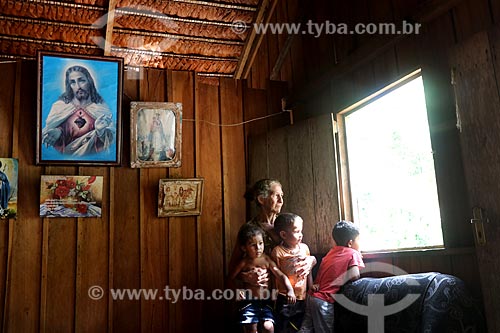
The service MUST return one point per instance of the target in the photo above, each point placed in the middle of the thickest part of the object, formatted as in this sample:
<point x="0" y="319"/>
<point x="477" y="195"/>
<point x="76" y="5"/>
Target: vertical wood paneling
<point x="7" y="93"/>
<point x="466" y="267"/>
<point x="208" y="166"/>
<point x="409" y="264"/>
<point x="478" y="102"/>
<point x="326" y="204"/>
<point x="297" y="50"/>
<point x="408" y="54"/>
<point x="254" y="107"/>
<point x="323" y="13"/>
<point x="257" y="164"/>
<point x="183" y="258"/>
<point x="363" y="83"/>
<point x="233" y="162"/>
<point x="258" y="160"/>
<point x="381" y="11"/>
<point x="234" y="175"/>
<point x="301" y="182"/>
<point x="92" y="263"/>
<point x="495" y="11"/>
<point x="273" y="47"/>
<point x="404" y="9"/>
<point x="344" y="43"/>
<point x="471" y="16"/>
<point x="58" y="267"/>
<point x="154" y="231"/>
<point x="385" y="69"/>
<point x="261" y="68"/>
<point x="275" y="92"/>
<point x="435" y="264"/>
<point x="277" y="157"/>
<point x="22" y="296"/>
<point x="282" y="16"/>
<point x="125" y="229"/>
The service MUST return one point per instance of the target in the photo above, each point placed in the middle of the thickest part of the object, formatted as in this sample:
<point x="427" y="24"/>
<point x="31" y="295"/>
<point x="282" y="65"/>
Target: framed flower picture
<point x="8" y="188"/>
<point x="79" y="108"/>
<point x="156" y="134"/>
<point x="180" y="197"/>
<point x="71" y="196"/>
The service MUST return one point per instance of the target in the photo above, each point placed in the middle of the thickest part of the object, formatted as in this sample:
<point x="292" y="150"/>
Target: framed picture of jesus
<point x="79" y="104"/>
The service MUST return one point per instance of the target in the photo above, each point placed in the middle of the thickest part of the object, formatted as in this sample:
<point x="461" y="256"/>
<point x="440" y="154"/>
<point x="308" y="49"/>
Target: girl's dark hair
<point x="247" y="231"/>
<point x="284" y="221"/>
<point x="260" y="188"/>
<point x="343" y="232"/>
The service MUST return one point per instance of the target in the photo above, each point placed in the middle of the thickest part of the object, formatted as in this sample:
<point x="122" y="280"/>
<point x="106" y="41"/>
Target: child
<point x="340" y="264"/>
<point x="289" y="227"/>
<point x="257" y="308"/>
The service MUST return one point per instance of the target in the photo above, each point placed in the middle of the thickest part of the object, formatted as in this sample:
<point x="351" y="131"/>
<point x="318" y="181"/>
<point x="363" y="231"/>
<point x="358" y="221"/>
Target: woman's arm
<point x="310" y="282"/>
<point x="253" y="277"/>
<point x="304" y="265"/>
<point x="278" y="274"/>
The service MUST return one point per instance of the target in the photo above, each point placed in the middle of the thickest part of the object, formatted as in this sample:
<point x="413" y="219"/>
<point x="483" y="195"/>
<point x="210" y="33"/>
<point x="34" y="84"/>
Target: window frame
<point x="344" y="183"/>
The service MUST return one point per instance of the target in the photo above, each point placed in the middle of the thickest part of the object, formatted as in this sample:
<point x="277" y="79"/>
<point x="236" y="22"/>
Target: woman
<point x="268" y="195"/>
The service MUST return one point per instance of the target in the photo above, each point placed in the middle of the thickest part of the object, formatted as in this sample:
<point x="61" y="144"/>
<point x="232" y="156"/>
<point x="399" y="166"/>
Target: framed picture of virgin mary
<point x="156" y="134"/>
<point x="79" y="104"/>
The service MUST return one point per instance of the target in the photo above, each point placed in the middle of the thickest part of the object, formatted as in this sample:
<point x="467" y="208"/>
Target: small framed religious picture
<point x="180" y="197"/>
<point x="79" y="104"/>
<point x="71" y="196"/>
<point x="8" y="188"/>
<point x="156" y="134"/>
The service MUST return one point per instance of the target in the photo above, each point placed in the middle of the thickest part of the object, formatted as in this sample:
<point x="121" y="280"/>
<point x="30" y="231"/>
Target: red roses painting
<point x="71" y="196"/>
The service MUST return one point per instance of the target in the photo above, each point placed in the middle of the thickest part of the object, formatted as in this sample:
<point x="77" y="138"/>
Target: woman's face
<point x="274" y="200"/>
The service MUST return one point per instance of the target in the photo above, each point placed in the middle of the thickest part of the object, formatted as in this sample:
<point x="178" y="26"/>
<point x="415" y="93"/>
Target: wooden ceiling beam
<point x="253" y="40"/>
<point x="218" y="5"/>
<point x="109" y="27"/>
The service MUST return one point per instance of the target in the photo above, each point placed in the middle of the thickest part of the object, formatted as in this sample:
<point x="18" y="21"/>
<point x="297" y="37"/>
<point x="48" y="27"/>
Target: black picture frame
<point x="79" y="109"/>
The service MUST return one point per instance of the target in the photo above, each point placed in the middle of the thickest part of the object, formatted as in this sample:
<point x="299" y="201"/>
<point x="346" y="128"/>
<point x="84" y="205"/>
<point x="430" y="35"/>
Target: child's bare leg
<point x="250" y="328"/>
<point x="268" y="327"/>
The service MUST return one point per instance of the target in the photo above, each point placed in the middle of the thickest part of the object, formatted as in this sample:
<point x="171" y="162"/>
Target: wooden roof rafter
<point x="195" y="35"/>
<point x="254" y="40"/>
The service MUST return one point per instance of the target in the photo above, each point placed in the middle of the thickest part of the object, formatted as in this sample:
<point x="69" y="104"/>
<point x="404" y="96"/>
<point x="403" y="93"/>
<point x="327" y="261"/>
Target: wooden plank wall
<point x="478" y="100"/>
<point x="302" y="158"/>
<point x="47" y="265"/>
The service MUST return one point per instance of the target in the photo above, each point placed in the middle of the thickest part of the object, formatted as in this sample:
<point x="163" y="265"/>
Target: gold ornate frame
<point x="155" y="134"/>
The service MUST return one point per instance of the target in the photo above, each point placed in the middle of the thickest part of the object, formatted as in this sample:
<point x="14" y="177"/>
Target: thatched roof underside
<point x="169" y="34"/>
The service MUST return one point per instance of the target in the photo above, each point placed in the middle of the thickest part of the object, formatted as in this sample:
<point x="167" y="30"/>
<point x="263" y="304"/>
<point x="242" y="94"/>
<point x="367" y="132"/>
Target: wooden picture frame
<point x="180" y="197"/>
<point x="156" y="134"/>
<point x="79" y="109"/>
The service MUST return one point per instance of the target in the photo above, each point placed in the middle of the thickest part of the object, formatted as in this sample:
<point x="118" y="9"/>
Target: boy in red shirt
<point x="340" y="264"/>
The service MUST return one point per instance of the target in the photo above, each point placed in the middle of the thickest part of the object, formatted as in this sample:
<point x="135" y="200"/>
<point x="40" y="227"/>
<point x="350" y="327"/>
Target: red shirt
<point x="334" y="264"/>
